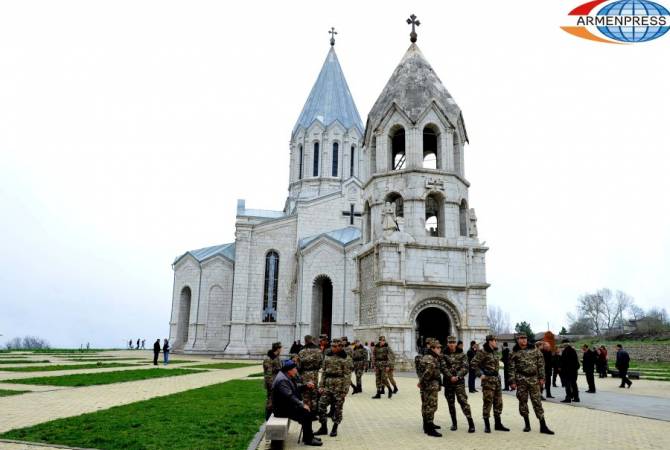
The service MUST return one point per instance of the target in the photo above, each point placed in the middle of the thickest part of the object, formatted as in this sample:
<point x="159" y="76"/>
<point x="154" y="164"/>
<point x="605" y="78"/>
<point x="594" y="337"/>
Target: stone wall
<point x="641" y="351"/>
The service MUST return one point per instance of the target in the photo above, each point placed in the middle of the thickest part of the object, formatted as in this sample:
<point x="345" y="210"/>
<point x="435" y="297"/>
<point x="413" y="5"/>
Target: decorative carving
<point x="473" y="223"/>
<point x="368" y="294"/>
<point x="389" y="224"/>
<point x="434" y="184"/>
<point x="442" y="304"/>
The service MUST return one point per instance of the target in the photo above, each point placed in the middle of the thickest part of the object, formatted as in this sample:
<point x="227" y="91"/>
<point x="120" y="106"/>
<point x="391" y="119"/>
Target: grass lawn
<point x="91" y="379"/>
<point x="103" y="358"/>
<point x="64" y="367"/>
<point x="257" y="374"/>
<point x="223" y="365"/>
<point x="221" y="416"/>
<point x="8" y="392"/>
<point x="65" y="350"/>
<point x="22" y="361"/>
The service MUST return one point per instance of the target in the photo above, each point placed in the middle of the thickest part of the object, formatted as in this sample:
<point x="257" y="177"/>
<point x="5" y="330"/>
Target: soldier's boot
<point x="544" y="428"/>
<point x="383" y="390"/>
<point x="379" y="394"/>
<point x="323" y="430"/>
<point x="454" y="424"/>
<point x="471" y="425"/>
<point x="359" y="388"/>
<point x="390" y="392"/>
<point x="431" y="431"/>
<point x="487" y="425"/>
<point x="498" y="425"/>
<point x="333" y="432"/>
<point x="526" y="421"/>
<point x="395" y="389"/>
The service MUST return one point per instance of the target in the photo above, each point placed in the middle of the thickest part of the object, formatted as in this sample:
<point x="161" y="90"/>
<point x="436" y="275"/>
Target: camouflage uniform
<point x="384" y="358"/>
<point x="271" y="367"/>
<point x="429" y="384"/>
<point x="417" y="358"/>
<point x="487" y="362"/>
<point x="335" y="384"/>
<point x="310" y="359"/>
<point x="455" y="365"/>
<point x="360" y="359"/>
<point x="526" y="369"/>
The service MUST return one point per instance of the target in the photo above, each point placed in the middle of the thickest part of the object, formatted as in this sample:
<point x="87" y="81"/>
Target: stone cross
<point x="351" y="214"/>
<point x="412" y="21"/>
<point x="332" y="33"/>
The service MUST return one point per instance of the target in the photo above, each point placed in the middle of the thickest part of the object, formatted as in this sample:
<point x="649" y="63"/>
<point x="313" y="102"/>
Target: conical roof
<point x="413" y="86"/>
<point x="330" y="99"/>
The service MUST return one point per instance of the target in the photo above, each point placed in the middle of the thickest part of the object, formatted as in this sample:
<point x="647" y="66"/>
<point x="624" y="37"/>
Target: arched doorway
<point x="432" y="322"/>
<point x="183" y="316"/>
<point x="322" y="306"/>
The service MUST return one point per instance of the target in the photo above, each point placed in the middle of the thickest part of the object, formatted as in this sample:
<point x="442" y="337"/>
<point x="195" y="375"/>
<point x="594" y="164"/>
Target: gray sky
<point x="129" y="129"/>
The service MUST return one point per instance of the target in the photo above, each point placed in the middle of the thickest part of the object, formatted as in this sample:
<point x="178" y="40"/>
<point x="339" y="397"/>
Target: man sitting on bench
<point x="287" y="401"/>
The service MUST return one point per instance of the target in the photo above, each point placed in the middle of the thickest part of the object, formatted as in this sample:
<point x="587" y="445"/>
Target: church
<point x="376" y="236"/>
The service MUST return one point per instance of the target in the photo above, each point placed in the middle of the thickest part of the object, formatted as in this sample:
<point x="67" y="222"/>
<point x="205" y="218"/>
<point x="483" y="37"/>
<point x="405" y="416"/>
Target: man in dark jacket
<point x="157" y="351"/>
<point x="505" y="361"/>
<point x="622" y="362"/>
<point x="569" y="370"/>
<point x="588" y="366"/>
<point x="287" y="401"/>
<point x="471" y="373"/>
<point x="547" y="354"/>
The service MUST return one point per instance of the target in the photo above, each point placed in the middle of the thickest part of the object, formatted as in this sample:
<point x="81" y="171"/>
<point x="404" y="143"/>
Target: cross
<point x="412" y="21"/>
<point x="351" y="214"/>
<point x="332" y="33"/>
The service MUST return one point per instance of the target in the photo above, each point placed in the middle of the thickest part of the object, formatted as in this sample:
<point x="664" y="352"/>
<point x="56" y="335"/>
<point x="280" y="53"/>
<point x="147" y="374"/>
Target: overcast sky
<point x="128" y="130"/>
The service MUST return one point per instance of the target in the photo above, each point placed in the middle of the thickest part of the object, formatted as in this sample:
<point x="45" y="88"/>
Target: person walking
<point x="527" y="377"/>
<point x="360" y="358"/>
<point x="454" y="368"/>
<point x="589" y="360"/>
<point x="547" y="356"/>
<point x="429" y="387"/>
<point x="130" y="344"/>
<point x="622" y="363"/>
<point x="569" y="371"/>
<point x="143" y="342"/>
<point x="603" y="361"/>
<point x="486" y="363"/>
<point x="556" y="367"/>
<point x="138" y="344"/>
<point x="157" y="351"/>
<point x="505" y="361"/>
<point x="383" y="357"/>
<point x="334" y="386"/>
<point x="471" y="374"/>
<point x="166" y="352"/>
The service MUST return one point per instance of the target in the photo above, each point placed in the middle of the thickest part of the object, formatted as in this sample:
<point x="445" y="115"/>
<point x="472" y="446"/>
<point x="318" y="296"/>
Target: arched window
<point x="396" y="198"/>
<point x="351" y="161"/>
<point x="367" y="229"/>
<point x="336" y="159"/>
<point x="457" y="156"/>
<point x="430" y="145"/>
<point x="300" y="156"/>
<point x="372" y="164"/>
<point x="435" y="215"/>
<point x="269" y="312"/>
<point x="398" y="154"/>
<point x="315" y="171"/>
<point x="463" y="218"/>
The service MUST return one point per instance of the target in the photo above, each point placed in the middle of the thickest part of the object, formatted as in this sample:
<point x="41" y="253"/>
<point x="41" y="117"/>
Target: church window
<point x="457" y="156"/>
<point x="315" y="171"/>
<point x="367" y="229"/>
<point x="435" y="215"/>
<point x="351" y="161"/>
<point x="336" y="159"/>
<point x="373" y="157"/>
<point x="271" y="286"/>
<point x="463" y="218"/>
<point x="300" y="164"/>
<point x="396" y="198"/>
<point x="430" y="146"/>
<point x="398" y="155"/>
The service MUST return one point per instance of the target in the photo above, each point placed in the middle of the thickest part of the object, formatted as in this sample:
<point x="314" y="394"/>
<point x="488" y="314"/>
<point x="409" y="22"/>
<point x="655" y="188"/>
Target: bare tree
<point x="27" y="343"/>
<point x="498" y="320"/>
<point x="591" y="309"/>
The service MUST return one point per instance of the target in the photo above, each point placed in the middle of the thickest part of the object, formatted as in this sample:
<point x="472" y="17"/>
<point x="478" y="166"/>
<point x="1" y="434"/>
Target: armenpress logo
<point x="619" y="22"/>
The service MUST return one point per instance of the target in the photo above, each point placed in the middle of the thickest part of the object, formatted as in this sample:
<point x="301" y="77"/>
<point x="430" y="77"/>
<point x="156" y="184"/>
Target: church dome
<point x="413" y="87"/>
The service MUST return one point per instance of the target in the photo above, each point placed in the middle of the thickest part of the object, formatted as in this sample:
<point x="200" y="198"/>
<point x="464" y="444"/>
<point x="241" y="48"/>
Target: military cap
<point x="345" y="339"/>
<point x="435" y="343"/>
<point x="323" y="337"/>
<point x="521" y="335"/>
<point x="309" y="338"/>
<point x="451" y="339"/>
<point x="491" y="337"/>
<point x="276" y="345"/>
<point x="429" y="341"/>
<point x="382" y="338"/>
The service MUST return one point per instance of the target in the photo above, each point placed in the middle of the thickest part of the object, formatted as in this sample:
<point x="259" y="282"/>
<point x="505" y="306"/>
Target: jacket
<point x="569" y="361"/>
<point x="622" y="360"/>
<point x="589" y="361"/>
<point x="286" y="396"/>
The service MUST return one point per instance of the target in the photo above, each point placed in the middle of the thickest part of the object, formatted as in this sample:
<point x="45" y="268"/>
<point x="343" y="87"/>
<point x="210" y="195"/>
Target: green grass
<point x="64" y="367"/>
<point x="22" y="361"/>
<point x="257" y="374"/>
<point x="103" y="358"/>
<point x="65" y="350"/>
<point x="8" y="392"/>
<point x="650" y="365"/>
<point x="221" y="416"/>
<point x="95" y="379"/>
<point x="223" y="365"/>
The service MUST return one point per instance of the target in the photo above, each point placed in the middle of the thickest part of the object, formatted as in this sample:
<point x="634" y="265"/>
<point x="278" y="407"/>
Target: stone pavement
<point x="396" y="423"/>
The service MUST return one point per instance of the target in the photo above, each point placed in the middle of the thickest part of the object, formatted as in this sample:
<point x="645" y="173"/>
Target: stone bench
<point x="276" y="430"/>
<point x="635" y="375"/>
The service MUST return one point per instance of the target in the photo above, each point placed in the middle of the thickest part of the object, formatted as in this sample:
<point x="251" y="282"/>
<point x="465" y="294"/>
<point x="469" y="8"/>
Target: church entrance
<point x="432" y="322"/>
<point x="322" y="306"/>
<point x="183" y="317"/>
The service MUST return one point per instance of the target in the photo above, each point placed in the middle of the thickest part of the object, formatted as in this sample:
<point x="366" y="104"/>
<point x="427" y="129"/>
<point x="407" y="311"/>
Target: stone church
<point x="376" y="236"/>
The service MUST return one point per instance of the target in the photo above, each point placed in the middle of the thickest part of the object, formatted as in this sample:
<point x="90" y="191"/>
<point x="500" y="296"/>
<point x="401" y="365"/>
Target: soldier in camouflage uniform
<point x="384" y="358"/>
<point x="526" y="373"/>
<point x="454" y="368"/>
<point x="310" y="359"/>
<point x="417" y="358"/>
<point x="429" y="386"/>
<point x="271" y="367"/>
<point x="360" y="359"/>
<point x="346" y="346"/>
<point x="486" y="364"/>
<point x="334" y="386"/>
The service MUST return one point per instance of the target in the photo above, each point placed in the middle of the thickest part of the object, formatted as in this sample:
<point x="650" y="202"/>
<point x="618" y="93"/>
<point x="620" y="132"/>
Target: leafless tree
<point x="498" y="320"/>
<point x="27" y="343"/>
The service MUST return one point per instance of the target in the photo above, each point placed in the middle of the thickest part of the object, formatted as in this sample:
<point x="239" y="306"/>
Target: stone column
<point x="414" y="148"/>
<point x="238" y="322"/>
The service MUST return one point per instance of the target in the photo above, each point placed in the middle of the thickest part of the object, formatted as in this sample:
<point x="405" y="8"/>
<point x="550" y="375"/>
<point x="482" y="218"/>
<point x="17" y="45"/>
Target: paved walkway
<point x="396" y="423"/>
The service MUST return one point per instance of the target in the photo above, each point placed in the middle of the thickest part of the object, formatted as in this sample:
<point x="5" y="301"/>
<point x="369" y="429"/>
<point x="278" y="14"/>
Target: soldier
<point x="310" y="359"/>
<point x="360" y="359"/>
<point x="486" y="363"/>
<point x="346" y="346"/>
<point x="383" y="357"/>
<point x="429" y="386"/>
<point x="271" y="367"/>
<point x="334" y="386"/>
<point x="526" y="370"/>
<point x="454" y="368"/>
<point x="417" y="358"/>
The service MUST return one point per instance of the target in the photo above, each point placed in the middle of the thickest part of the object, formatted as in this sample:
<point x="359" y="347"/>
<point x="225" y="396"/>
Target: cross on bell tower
<point x="415" y="23"/>
<point x="332" y="33"/>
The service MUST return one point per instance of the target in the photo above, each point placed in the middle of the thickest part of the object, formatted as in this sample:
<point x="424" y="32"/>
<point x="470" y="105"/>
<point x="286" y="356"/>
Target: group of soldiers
<point x="436" y="369"/>
<point x="335" y="360"/>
